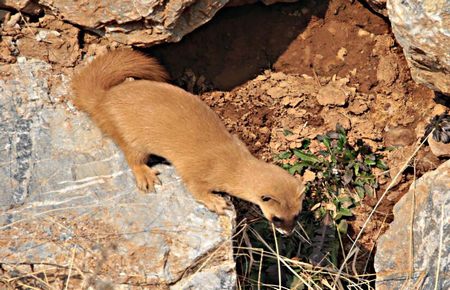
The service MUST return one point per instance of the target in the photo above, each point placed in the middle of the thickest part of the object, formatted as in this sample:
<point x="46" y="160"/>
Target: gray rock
<point x="396" y="265"/>
<point x="69" y="198"/>
<point x="422" y="29"/>
<point x="139" y="22"/>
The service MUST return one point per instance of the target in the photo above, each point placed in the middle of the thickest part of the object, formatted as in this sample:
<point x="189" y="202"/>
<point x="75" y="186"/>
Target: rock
<point x="358" y="107"/>
<point x="383" y="44"/>
<point x="58" y="45"/>
<point x="331" y="95"/>
<point x="332" y="118"/>
<point x="439" y="149"/>
<point x="399" y="136"/>
<point x="387" y="70"/>
<point x="396" y="266"/>
<point x="235" y="3"/>
<point x="70" y="200"/>
<point x="426" y="161"/>
<point x="421" y="28"/>
<point x="342" y="52"/>
<point x="276" y="92"/>
<point x="16" y="4"/>
<point x="140" y="22"/>
<point x="378" y="6"/>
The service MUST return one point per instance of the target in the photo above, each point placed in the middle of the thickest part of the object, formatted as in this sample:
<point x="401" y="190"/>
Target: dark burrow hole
<point x="236" y="45"/>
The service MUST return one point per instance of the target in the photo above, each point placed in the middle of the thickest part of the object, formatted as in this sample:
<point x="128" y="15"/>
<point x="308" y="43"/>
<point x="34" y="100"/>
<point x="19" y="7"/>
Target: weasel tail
<point x="108" y="70"/>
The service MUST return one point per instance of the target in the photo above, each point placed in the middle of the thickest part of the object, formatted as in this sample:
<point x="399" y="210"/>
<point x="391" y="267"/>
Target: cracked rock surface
<point x="139" y="22"/>
<point x="422" y="29"/>
<point x="402" y="263"/>
<point x="69" y="202"/>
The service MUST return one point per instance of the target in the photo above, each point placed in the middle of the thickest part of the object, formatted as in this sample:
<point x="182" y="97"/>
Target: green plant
<point x="342" y="173"/>
<point x="441" y="126"/>
<point x="339" y="176"/>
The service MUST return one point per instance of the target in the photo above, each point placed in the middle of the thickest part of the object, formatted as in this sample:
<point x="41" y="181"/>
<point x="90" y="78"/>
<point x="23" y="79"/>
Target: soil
<point x="267" y="70"/>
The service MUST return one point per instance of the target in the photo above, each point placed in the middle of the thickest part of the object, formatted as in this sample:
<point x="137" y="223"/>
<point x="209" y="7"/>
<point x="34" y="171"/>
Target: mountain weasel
<point x="149" y="116"/>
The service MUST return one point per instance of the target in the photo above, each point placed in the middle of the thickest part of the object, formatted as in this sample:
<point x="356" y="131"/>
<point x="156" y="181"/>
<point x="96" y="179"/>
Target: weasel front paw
<point x="146" y="178"/>
<point x="215" y="203"/>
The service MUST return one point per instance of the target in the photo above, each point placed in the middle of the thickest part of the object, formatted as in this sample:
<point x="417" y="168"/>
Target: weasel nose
<point x="286" y="228"/>
<point x="284" y="232"/>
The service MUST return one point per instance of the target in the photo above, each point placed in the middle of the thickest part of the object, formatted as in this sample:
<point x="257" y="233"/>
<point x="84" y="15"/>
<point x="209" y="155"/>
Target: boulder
<point x="421" y="28"/>
<point x="140" y="22"/>
<point x="422" y="262"/>
<point x="69" y="206"/>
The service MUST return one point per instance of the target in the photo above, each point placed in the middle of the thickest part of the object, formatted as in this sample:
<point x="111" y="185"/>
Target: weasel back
<point x="106" y="71"/>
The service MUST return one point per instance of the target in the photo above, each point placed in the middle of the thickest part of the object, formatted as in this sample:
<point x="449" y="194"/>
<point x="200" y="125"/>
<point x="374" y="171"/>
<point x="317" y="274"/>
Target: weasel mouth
<point x="284" y="232"/>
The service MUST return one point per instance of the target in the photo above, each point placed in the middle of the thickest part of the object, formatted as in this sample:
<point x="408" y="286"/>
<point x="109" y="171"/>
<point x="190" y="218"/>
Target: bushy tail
<point x="91" y="83"/>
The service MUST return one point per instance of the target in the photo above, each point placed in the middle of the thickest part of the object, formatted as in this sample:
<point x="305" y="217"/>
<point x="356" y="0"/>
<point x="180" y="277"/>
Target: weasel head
<point x="280" y="197"/>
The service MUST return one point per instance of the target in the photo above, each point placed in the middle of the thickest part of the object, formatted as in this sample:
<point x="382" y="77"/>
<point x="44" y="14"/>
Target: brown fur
<point x="149" y="116"/>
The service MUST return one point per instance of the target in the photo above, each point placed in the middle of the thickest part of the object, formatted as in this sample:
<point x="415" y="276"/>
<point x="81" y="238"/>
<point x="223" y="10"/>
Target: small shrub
<point x="342" y="174"/>
<point x="339" y="176"/>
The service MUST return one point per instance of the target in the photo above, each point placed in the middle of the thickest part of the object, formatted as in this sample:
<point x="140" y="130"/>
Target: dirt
<point x="278" y="74"/>
<point x="237" y="45"/>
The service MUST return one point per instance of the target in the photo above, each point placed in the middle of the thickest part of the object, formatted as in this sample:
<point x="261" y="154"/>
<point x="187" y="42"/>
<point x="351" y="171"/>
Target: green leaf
<point x="368" y="161"/>
<point x="286" y="166"/>
<point x="305" y="143"/>
<point x="341" y="142"/>
<point x="368" y="189"/>
<point x="349" y="155"/>
<point x="340" y="129"/>
<point x="306" y="156"/>
<point x="342" y="226"/>
<point x="344" y="199"/>
<point x="285" y="155"/>
<point x="296" y="168"/>
<point x="325" y="140"/>
<point x="287" y="132"/>
<point x="348" y="176"/>
<point x="388" y="148"/>
<point x="361" y="192"/>
<point x="345" y="212"/>
<point x="382" y="165"/>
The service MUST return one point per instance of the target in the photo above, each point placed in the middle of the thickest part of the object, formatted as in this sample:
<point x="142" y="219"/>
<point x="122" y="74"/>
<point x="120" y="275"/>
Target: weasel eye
<point x="265" y="198"/>
<point x="277" y="220"/>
